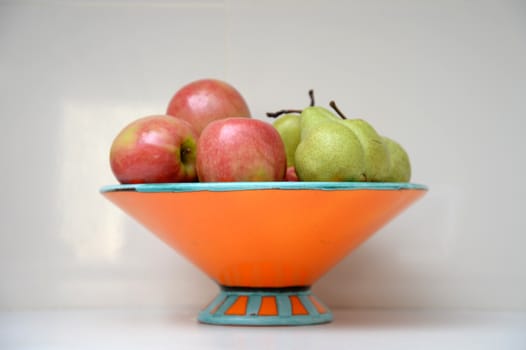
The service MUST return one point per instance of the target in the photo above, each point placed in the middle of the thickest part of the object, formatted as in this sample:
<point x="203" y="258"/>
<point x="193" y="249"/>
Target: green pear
<point x="329" y="152"/>
<point x="289" y="128"/>
<point x="377" y="161"/>
<point x="312" y="116"/>
<point x="400" y="166"/>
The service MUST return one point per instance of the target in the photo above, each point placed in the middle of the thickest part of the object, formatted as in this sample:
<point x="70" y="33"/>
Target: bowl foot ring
<point x="292" y="306"/>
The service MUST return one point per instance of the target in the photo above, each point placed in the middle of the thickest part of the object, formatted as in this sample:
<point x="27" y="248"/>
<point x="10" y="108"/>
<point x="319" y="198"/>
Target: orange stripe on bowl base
<point x="297" y="306"/>
<point x="321" y="309"/>
<point x="268" y="306"/>
<point x="239" y="307"/>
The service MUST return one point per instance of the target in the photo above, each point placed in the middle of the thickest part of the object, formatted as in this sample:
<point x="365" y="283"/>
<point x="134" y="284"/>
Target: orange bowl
<point x="264" y="234"/>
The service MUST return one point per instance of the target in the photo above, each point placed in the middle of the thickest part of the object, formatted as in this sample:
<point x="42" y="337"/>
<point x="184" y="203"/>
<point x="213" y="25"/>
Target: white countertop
<point x="178" y="329"/>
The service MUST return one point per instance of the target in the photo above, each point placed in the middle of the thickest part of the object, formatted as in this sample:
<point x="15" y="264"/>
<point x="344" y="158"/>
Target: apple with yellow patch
<point x="155" y="149"/>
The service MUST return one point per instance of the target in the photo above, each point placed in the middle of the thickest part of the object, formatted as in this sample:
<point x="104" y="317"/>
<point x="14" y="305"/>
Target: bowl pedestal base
<point x="265" y="307"/>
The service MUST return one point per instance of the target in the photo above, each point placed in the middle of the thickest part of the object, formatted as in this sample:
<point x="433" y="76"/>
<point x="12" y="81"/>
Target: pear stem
<point x="311" y="95"/>
<point x="340" y="113"/>
<point x="283" y="111"/>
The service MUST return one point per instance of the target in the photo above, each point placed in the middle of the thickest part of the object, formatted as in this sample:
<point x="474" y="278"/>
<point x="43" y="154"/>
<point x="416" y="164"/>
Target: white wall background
<point x="445" y="78"/>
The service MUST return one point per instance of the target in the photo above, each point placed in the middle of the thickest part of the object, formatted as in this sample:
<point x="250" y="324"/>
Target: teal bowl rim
<point x="270" y="185"/>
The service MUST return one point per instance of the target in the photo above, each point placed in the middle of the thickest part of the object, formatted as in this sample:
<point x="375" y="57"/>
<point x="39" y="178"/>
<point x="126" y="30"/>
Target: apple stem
<point x="184" y="153"/>
<point x="333" y="105"/>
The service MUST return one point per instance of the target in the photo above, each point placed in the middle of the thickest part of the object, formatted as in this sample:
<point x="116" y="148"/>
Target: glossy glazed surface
<point x="307" y="229"/>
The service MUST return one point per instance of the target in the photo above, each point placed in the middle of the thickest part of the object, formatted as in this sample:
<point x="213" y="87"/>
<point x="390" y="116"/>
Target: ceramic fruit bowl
<point x="264" y="243"/>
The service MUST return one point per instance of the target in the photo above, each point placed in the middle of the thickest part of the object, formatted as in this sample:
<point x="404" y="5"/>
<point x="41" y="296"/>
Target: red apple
<point x="240" y="149"/>
<point x="290" y="174"/>
<point x="203" y="101"/>
<point x="155" y="149"/>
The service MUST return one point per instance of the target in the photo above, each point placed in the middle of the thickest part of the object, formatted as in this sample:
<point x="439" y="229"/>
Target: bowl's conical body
<point x="270" y="236"/>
